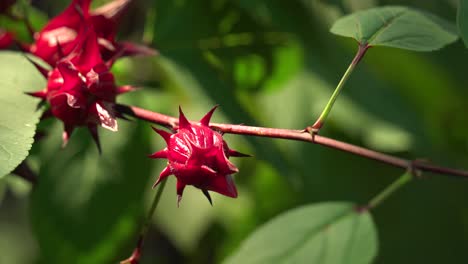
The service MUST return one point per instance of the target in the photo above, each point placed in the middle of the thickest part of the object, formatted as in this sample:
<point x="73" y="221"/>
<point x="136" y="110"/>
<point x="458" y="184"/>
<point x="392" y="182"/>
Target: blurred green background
<point x="267" y="63"/>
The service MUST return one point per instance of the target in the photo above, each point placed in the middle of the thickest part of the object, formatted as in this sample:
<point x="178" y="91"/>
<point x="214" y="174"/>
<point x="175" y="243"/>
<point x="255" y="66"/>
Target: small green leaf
<point x="332" y="232"/>
<point x="398" y="27"/>
<point x="462" y="20"/>
<point x="18" y="116"/>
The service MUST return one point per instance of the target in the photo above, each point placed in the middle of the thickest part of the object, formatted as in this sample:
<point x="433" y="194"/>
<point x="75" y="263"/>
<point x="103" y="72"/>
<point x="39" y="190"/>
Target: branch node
<point x="312" y="131"/>
<point x="413" y="168"/>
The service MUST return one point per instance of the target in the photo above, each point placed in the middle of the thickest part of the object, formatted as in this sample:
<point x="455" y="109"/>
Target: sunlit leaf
<point x="18" y="116"/>
<point x="321" y="233"/>
<point x="398" y="27"/>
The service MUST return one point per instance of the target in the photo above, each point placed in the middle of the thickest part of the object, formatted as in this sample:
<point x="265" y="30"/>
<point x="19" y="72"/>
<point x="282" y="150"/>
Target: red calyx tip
<point x="183" y="122"/>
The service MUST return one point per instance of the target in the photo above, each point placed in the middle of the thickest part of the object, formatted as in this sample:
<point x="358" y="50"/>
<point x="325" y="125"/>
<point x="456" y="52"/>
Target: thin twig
<point x="299" y="135"/>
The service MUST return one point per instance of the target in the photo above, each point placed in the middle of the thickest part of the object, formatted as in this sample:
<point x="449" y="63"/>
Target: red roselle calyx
<point x="81" y="90"/>
<point x="198" y="156"/>
<point x="60" y="36"/>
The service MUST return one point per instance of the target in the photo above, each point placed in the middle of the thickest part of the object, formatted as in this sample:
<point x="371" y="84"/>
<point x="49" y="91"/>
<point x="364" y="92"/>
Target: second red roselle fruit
<point x="81" y="90"/>
<point x="60" y="35"/>
<point x="198" y="156"/>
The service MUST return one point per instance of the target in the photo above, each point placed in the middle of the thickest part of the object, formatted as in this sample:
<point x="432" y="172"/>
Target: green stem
<point x="326" y="111"/>
<point x="156" y="199"/>
<point x="379" y="198"/>
<point x="135" y="257"/>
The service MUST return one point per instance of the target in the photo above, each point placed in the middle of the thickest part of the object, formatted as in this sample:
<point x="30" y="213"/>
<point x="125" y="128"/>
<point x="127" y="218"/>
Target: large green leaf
<point x="462" y="20"/>
<point x="18" y="117"/>
<point x="332" y="232"/>
<point x="398" y="27"/>
<point x="86" y="207"/>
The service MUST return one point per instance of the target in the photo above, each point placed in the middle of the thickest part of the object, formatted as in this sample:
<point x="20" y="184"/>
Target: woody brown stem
<point x="299" y="135"/>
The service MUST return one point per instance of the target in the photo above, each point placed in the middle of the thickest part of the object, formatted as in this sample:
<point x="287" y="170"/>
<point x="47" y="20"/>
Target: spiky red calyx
<point x="198" y="156"/>
<point x="81" y="90"/>
<point x="60" y="35"/>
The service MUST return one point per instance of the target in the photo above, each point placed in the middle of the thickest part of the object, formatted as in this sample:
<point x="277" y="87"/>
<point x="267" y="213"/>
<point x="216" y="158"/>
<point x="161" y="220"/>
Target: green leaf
<point x="398" y="27"/>
<point x="86" y="208"/>
<point x="18" y="117"/>
<point x="332" y="232"/>
<point x="462" y="20"/>
<point x="36" y="18"/>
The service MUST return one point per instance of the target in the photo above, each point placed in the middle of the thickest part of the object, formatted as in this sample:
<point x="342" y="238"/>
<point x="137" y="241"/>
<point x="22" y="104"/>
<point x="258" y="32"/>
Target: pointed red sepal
<point x="180" y="186"/>
<point x="225" y="164"/>
<point x="183" y="122"/>
<point x="164" y="174"/>
<point x="199" y="151"/>
<point x="234" y="153"/>
<point x="81" y="7"/>
<point x="132" y="49"/>
<point x="71" y="78"/>
<point x="208" y="170"/>
<point x="60" y="51"/>
<point x="162" y="154"/>
<point x="224" y="185"/>
<point x="164" y="134"/>
<point x="44" y="72"/>
<point x="207" y="195"/>
<point x="86" y="53"/>
<point x="232" y="167"/>
<point x="68" y="130"/>
<point x="206" y="119"/>
<point x="125" y="89"/>
<point x="117" y="55"/>
<point x="39" y="94"/>
<point x="94" y="134"/>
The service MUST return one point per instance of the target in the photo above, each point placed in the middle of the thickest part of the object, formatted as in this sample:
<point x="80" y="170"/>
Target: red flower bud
<point x="59" y="37"/>
<point x="198" y="156"/>
<point x="81" y="90"/>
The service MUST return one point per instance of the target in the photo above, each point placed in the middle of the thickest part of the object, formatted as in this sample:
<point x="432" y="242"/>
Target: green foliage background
<point x="267" y="63"/>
